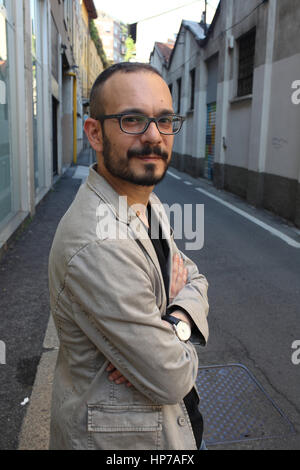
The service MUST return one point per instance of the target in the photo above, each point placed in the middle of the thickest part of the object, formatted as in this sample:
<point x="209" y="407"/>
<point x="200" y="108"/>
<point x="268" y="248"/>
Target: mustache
<point x="147" y="150"/>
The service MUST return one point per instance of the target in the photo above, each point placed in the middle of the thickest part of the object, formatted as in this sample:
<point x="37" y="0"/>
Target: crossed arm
<point x="178" y="281"/>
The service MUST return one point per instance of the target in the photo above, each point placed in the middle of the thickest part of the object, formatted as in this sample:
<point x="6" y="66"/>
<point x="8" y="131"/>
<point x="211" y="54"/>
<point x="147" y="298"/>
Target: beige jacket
<point x="107" y="299"/>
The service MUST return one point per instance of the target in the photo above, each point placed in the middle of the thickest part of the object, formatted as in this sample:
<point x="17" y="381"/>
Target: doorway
<point x="54" y="136"/>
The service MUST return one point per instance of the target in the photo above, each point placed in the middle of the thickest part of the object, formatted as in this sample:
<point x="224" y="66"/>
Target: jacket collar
<point x="105" y="191"/>
<point x="122" y="211"/>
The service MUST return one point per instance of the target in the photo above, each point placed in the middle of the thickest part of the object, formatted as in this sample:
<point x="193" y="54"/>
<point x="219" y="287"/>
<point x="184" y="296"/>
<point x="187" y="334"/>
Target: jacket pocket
<point x="124" y="427"/>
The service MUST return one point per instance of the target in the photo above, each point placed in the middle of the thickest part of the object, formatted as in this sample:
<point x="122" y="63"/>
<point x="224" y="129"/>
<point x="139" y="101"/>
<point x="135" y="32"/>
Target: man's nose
<point x="152" y="134"/>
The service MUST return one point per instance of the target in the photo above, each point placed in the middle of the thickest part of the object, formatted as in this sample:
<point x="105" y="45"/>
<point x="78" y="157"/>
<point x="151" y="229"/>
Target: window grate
<point x="192" y="78"/>
<point x="246" y="63"/>
<point x="178" y="94"/>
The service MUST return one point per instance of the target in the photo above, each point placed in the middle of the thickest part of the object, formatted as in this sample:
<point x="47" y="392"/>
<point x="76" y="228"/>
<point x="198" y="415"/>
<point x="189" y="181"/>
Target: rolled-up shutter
<point x="210" y="140"/>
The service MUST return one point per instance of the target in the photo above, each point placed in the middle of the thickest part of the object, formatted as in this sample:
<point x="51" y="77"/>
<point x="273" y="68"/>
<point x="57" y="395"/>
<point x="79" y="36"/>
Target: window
<point x="192" y="81"/>
<point x="54" y="47"/>
<point x="246" y="63"/>
<point x="6" y="188"/>
<point x="65" y="14"/>
<point x="171" y="88"/>
<point x="37" y="90"/>
<point x="178" y="94"/>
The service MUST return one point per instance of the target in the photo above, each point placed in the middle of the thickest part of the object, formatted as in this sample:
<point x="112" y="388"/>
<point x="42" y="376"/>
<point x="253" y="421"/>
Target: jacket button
<point x="181" y="421"/>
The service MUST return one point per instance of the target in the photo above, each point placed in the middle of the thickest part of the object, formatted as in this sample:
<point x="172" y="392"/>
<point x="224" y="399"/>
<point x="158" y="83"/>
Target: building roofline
<point x="91" y="9"/>
<point x="184" y="24"/>
<point x="212" y="25"/>
<point x="200" y="41"/>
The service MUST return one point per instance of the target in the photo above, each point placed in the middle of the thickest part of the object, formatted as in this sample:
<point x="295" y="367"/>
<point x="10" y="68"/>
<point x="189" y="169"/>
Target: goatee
<point x="121" y="169"/>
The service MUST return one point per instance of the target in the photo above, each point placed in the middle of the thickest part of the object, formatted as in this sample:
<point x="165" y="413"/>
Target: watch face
<point x="183" y="331"/>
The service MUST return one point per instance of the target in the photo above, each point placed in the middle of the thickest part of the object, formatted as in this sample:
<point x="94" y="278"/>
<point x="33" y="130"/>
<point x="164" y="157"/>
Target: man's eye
<point x="133" y="119"/>
<point x="166" y="120"/>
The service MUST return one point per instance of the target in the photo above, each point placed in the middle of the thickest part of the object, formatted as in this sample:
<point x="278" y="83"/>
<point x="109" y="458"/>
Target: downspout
<point x="72" y="74"/>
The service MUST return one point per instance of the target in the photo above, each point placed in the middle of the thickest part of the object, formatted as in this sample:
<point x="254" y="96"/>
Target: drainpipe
<point x="73" y="74"/>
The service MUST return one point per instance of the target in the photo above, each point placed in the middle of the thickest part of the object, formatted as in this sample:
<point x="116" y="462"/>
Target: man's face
<point x="140" y="159"/>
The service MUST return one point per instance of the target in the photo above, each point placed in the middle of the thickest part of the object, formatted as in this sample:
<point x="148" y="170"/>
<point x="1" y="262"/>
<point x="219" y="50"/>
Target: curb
<point x="35" y="431"/>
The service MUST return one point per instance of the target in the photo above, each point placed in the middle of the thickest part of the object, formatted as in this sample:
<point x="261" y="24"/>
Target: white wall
<point x="283" y="150"/>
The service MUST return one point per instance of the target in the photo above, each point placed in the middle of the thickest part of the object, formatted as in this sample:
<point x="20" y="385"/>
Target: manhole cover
<point x="236" y="408"/>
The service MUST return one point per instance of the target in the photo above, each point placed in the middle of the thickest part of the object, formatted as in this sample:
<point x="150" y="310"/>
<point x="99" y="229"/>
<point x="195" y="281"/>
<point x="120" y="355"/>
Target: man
<point x="125" y="301"/>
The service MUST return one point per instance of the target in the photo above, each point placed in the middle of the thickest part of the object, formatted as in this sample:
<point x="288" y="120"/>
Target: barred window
<point x="192" y="78"/>
<point x="246" y="63"/>
<point x="178" y="94"/>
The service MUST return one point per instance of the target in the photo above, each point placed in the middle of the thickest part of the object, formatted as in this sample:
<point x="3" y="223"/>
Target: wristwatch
<point x="181" y="328"/>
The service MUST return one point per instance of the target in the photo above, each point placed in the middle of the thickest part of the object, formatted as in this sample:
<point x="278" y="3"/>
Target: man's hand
<point x="179" y="276"/>
<point x="116" y="376"/>
<point x="178" y="281"/>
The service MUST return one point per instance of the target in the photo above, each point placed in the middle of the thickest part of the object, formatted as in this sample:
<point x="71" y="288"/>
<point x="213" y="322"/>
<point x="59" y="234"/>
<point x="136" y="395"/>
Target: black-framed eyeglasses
<point x="167" y="124"/>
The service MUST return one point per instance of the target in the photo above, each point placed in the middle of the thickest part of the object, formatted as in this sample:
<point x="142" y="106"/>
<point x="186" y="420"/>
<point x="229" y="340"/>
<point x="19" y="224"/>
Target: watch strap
<point x="171" y="319"/>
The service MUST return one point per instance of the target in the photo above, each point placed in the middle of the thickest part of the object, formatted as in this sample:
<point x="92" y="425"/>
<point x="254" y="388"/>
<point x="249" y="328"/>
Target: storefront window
<point x="5" y="148"/>
<point x="37" y="95"/>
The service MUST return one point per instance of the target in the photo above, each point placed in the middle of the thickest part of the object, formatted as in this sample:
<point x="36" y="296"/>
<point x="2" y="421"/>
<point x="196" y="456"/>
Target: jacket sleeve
<point x="193" y="300"/>
<point x="115" y="306"/>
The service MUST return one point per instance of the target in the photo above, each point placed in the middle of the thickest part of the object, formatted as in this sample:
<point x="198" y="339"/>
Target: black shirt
<point x="191" y="400"/>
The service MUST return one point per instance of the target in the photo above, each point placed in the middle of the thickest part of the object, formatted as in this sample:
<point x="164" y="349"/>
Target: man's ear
<point x="93" y="131"/>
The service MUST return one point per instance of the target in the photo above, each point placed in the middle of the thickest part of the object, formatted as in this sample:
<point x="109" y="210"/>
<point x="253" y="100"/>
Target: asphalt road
<point x="254" y="295"/>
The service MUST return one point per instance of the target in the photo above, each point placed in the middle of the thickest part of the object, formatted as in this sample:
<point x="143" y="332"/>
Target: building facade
<point x="160" y="56"/>
<point x="113" y="34"/>
<point x="239" y="90"/>
<point x="40" y="101"/>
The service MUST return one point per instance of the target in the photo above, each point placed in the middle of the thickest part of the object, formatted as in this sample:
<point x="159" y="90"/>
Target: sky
<point x="164" y="18"/>
<point x="131" y="11"/>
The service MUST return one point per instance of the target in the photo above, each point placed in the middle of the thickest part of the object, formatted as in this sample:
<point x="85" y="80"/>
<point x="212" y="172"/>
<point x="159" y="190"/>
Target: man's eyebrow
<point x="141" y="111"/>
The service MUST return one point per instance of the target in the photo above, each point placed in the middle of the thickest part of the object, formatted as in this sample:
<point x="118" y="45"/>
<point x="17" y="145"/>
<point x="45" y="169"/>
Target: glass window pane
<point x="37" y="103"/>
<point x="5" y="152"/>
<point x="33" y="26"/>
<point x="35" y="123"/>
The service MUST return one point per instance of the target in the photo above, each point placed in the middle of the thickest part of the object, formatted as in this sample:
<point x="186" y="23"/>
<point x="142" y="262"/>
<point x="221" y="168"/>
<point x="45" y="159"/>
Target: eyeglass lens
<point x="134" y="124"/>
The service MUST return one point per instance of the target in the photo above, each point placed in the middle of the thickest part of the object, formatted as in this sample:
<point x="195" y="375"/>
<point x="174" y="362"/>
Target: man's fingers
<point x="175" y="267"/>
<point x="179" y="276"/>
<point x="175" y="274"/>
<point x="116" y="376"/>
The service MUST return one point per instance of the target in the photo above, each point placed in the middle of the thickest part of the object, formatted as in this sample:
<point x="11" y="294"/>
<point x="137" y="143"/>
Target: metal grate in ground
<point x="236" y="408"/>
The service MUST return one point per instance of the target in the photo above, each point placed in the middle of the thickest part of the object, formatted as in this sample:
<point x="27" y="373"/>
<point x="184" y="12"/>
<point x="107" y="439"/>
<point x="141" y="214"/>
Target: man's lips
<point x="148" y="157"/>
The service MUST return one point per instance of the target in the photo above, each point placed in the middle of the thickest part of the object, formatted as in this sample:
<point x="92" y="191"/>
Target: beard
<point x="121" y="169"/>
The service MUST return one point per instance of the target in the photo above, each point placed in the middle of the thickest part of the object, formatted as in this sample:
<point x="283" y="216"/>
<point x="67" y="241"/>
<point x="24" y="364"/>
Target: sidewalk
<point x="34" y="434"/>
<point x="24" y="301"/>
<point x="35" y="428"/>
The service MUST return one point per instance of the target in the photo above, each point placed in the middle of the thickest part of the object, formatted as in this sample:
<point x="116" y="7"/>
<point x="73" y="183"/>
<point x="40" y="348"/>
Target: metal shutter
<point x="210" y="140"/>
